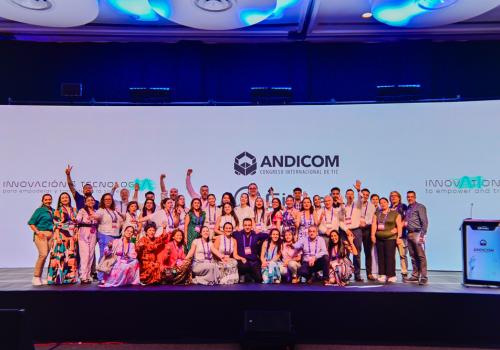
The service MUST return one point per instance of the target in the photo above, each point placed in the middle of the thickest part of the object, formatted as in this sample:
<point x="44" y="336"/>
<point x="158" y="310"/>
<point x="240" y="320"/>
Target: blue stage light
<point x="398" y="14"/>
<point x="140" y="9"/>
<point x="282" y="6"/>
<point x="161" y="8"/>
<point x="251" y="17"/>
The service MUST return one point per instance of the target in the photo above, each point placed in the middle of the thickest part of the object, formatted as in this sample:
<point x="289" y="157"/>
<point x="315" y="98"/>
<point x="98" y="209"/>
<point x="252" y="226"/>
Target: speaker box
<point x="15" y="331"/>
<point x="268" y="330"/>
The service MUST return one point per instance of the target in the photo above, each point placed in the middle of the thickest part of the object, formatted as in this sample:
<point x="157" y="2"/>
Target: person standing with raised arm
<point x="204" y="191"/>
<point x="121" y="205"/>
<point x="174" y="192"/>
<point x="88" y="190"/>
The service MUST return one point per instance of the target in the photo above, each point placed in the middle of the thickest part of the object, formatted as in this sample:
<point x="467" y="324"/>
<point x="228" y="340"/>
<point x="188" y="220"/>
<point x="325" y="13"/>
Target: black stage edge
<point x="442" y="313"/>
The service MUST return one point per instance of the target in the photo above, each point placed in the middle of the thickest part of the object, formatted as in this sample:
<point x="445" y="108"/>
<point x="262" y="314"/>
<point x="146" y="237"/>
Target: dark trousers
<point x="320" y="264"/>
<point x="367" y="247"/>
<point x="250" y="269"/>
<point x="386" y="251"/>
<point x="358" y="241"/>
<point x="418" y="257"/>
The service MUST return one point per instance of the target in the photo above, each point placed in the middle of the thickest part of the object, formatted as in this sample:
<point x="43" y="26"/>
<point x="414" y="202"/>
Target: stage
<point x="441" y="313"/>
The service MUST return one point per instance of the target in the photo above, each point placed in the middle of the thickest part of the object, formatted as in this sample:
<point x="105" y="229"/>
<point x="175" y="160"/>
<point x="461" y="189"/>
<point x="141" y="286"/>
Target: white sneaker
<point x="382" y="278"/>
<point x="392" y="279"/>
<point x="44" y="281"/>
<point x="36" y="281"/>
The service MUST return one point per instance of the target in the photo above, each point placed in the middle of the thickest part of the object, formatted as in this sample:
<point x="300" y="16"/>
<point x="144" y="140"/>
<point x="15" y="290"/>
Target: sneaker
<point x="382" y="278"/>
<point x="44" y="281"/>
<point x="423" y="282"/>
<point x="36" y="281"/>
<point x="392" y="279"/>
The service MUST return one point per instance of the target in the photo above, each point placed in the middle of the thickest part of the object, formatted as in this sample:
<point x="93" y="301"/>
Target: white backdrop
<point x="428" y="147"/>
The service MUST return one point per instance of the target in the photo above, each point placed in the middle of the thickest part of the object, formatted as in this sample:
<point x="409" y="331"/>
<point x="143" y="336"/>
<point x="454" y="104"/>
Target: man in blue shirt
<point x="79" y="198"/>
<point x="248" y="243"/>
<point x="314" y="255"/>
<point x="416" y="223"/>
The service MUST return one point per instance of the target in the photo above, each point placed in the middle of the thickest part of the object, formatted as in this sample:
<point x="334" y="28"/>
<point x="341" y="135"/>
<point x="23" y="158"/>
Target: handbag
<point x="107" y="262"/>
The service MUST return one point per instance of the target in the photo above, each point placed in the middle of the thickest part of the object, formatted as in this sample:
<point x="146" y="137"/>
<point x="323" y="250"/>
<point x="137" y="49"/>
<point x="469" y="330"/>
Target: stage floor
<point x="19" y="279"/>
<point x="442" y="313"/>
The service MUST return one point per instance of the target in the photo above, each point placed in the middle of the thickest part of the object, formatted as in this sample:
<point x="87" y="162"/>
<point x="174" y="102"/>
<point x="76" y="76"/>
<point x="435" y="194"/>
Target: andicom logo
<point x="245" y="164"/>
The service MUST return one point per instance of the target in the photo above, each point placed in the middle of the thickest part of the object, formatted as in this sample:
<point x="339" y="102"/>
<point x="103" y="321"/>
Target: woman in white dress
<point x="205" y="270"/>
<point x="228" y="266"/>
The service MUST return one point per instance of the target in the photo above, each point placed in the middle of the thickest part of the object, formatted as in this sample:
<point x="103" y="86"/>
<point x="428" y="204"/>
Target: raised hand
<point x="68" y="170"/>
<point x="136" y="187"/>
<point x="357" y="185"/>
<point x="163" y="176"/>
<point x="189" y="172"/>
<point x="115" y="186"/>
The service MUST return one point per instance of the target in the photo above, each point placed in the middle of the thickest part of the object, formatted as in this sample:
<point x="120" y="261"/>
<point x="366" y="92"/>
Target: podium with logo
<point x="481" y="252"/>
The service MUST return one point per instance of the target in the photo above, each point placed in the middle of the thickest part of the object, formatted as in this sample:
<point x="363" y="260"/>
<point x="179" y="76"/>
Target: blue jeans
<point x="103" y="241"/>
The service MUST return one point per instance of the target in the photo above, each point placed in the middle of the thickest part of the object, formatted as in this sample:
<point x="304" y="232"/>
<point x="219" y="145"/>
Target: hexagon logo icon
<point x="245" y="164"/>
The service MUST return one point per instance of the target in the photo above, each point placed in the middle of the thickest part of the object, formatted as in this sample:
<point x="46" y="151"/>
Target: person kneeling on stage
<point x="125" y="270"/>
<point x="314" y="255"/>
<point x="341" y="268"/>
<point x="205" y="270"/>
<point x="228" y="264"/>
<point x="248" y="243"/>
<point x="270" y="257"/>
<point x="148" y="249"/>
<point x="291" y="259"/>
<point x="176" y="267"/>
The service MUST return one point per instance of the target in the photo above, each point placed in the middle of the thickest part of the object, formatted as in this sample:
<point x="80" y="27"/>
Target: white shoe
<point x="36" y="281"/>
<point x="382" y="278"/>
<point x="392" y="279"/>
<point x="44" y="281"/>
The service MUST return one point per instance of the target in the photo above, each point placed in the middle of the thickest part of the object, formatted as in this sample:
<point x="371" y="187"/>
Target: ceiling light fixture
<point x="50" y="13"/>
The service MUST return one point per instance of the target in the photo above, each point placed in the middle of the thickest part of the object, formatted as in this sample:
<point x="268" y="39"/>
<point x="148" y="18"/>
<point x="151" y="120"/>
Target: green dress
<point x="192" y="234"/>
<point x="389" y="222"/>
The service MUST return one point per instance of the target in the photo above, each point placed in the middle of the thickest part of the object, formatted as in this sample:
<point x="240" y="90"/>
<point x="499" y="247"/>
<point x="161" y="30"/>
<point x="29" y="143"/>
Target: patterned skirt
<point x="124" y="272"/>
<point x="341" y="271"/>
<point x="63" y="264"/>
<point x="228" y="272"/>
<point x="205" y="273"/>
<point x="180" y="274"/>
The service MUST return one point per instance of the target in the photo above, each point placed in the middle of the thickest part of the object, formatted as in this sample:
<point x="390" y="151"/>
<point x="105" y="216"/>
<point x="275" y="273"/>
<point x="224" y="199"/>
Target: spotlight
<point x="271" y="95"/>
<point x="150" y="94"/>
<point x="367" y="15"/>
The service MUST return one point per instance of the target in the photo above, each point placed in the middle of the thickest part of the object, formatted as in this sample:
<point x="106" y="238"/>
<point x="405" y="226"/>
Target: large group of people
<point x="302" y="240"/>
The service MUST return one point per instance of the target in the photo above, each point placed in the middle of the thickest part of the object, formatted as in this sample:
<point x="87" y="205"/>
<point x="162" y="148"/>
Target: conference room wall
<point x="202" y="72"/>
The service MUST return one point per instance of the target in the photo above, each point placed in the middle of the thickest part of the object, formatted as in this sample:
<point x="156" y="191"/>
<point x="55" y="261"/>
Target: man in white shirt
<point x="367" y="212"/>
<point x="121" y="205"/>
<point x="314" y="255"/>
<point x="204" y="191"/>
